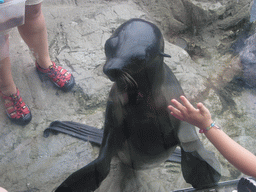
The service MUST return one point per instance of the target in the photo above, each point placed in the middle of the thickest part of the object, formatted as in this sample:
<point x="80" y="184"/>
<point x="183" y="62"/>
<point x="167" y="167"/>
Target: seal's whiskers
<point x="130" y="81"/>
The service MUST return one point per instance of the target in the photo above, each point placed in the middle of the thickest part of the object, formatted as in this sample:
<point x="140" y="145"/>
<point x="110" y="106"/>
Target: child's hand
<point x="199" y="117"/>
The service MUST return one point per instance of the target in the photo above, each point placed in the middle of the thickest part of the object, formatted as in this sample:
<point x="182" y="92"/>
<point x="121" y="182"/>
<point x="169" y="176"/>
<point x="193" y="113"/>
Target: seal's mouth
<point x="113" y="74"/>
<point x="126" y="82"/>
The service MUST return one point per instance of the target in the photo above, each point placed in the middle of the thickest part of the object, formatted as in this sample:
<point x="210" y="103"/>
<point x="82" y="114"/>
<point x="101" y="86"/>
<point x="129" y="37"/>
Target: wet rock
<point x="177" y="16"/>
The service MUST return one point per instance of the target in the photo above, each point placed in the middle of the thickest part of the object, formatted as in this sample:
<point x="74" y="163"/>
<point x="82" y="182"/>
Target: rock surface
<point x="180" y="15"/>
<point x="77" y="32"/>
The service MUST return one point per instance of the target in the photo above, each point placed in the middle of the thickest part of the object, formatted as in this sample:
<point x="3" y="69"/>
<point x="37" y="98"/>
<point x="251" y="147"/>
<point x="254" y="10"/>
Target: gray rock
<point x="177" y="16"/>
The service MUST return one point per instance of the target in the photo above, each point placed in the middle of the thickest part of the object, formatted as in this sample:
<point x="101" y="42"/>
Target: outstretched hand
<point x="200" y="117"/>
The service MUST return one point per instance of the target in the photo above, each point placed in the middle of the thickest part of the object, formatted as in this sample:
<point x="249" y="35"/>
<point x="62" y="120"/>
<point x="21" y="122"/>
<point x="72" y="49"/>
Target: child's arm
<point x="238" y="156"/>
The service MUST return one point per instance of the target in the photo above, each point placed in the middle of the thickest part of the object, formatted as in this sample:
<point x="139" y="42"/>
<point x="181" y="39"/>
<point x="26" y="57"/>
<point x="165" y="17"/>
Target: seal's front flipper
<point x="90" y="177"/>
<point x="200" y="168"/>
<point x="86" y="179"/>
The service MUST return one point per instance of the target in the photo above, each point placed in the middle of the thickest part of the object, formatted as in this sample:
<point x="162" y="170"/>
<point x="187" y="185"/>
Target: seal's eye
<point x="136" y="64"/>
<point x="138" y="60"/>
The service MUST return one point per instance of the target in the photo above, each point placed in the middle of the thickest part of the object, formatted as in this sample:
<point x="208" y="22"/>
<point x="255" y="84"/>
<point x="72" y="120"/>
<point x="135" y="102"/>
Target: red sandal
<point x="59" y="76"/>
<point x="17" y="111"/>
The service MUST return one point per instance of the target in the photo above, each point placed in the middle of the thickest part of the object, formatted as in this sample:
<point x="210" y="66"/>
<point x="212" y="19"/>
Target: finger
<point x="203" y="110"/>
<point x="176" y="116"/>
<point x="178" y="105"/>
<point x="186" y="103"/>
<point x="174" y="111"/>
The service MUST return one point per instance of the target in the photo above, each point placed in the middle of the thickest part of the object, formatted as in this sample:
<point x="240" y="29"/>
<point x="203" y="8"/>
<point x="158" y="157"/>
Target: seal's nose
<point x="113" y="69"/>
<point x="113" y="74"/>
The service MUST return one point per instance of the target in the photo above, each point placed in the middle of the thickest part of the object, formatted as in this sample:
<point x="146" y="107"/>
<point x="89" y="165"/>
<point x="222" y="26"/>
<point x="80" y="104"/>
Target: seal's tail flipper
<point x="88" y="133"/>
<point x="78" y="130"/>
<point x="200" y="168"/>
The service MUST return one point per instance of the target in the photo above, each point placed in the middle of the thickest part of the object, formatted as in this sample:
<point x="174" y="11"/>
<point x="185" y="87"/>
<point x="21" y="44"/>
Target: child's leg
<point x="34" y="33"/>
<point x="7" y="85"/>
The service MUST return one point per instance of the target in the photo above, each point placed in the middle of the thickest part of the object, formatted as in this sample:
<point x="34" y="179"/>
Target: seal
<point x="138" y="127"/>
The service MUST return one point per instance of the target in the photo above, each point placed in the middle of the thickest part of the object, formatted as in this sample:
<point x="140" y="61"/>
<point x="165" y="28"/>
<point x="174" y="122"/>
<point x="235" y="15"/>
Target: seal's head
<point x="133" y="47"/>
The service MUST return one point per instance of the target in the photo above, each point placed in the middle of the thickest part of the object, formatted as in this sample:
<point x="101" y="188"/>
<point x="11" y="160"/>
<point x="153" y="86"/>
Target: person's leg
<point x="16" y="109"/>
<point x="34" y="33"/>
<point x="7" y="85"/>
